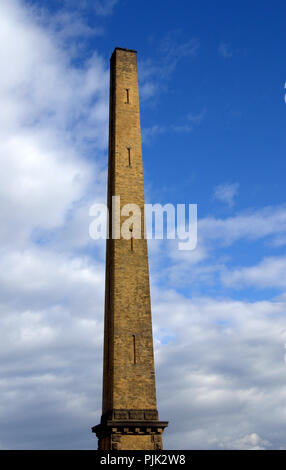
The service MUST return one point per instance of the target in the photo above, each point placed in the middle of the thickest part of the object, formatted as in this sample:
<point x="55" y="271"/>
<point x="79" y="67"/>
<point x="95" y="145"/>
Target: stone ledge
<point x="130" y="414"/>
<point x="133" y="424"/>
<point x="127" y="427"/>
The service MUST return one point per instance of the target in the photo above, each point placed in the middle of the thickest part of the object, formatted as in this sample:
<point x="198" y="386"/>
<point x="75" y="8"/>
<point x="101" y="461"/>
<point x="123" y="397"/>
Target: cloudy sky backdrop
<point x="213" y="121"/>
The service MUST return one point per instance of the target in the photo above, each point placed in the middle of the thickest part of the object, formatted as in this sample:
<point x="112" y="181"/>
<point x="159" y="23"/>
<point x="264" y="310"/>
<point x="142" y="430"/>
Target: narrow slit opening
<point x="127" y="95"/>
<point x="134" y="349"/>
<point x="131" y="239"/>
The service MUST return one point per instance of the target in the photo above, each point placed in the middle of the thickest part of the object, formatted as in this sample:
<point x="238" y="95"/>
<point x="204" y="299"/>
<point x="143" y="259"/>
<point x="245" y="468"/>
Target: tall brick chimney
<point x="129" y="408"/>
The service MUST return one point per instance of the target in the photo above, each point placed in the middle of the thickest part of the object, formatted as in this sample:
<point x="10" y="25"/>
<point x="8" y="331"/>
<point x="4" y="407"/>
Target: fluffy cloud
<point x="226" y="360"/>
<point x="104" y="7"/>
<point x="248" y="225"/>
<point x="53" y="116"/>
<point x="214" y="258"/>
<point x="225" y="357"/>
<point x="153" y="75"/>
<point x="50" y="112"/>
<point x="226" y="193"/>
<point x="269" y="273"/>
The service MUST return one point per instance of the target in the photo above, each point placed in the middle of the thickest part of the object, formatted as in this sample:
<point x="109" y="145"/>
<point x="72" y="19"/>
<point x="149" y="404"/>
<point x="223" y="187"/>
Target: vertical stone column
<point x="129" y="409"/>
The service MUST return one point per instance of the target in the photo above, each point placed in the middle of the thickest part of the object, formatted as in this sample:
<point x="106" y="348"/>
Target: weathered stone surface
<point x="129" y="391"/>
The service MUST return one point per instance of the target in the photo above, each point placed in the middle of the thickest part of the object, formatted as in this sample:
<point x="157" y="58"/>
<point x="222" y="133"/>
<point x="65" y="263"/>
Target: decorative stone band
<point x="129" y="427"/>
<point x="127" y="415"/>
<point x="115" y="424"/>
<point x="130" y="422"/>
<point x="120" y="435"/>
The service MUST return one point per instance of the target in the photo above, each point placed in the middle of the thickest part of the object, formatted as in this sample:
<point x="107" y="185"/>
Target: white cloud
<point x="228" y="371"/>
<point x="51" y="350"/>
<point x="226" y="193"/>
<point x="196" y="118"/>
<point x="248" y="225"/>
<point x="149" y="132"/>
<point x="104" y="7"/>
<point x="44" y="98"/>
<point x="224" y="50"/>
<point x="53" y="115"/>
<point x="69" y="25"/>
<point x="225" y="357"/>
<point x="173" y="49"/>
<point x="181" y="128"/>
<point x="101" y="7"/>
<point x="269" y="273"/>
<point x="249" y="442"/>
<point x="207" y="265"/>
<point x="154" y="74"/>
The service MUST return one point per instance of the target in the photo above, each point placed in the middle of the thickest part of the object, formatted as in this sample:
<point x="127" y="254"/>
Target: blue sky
<point x="213" y="117"/>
